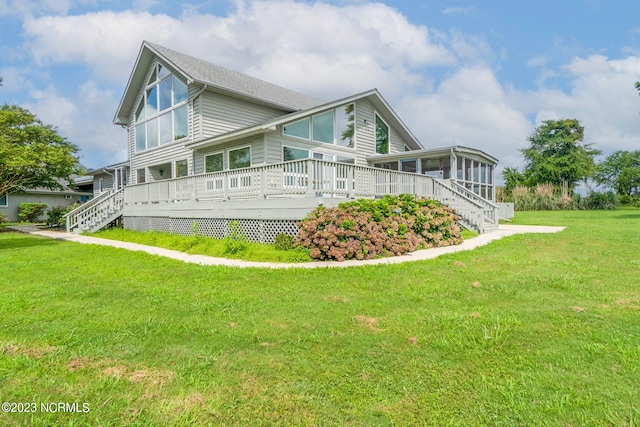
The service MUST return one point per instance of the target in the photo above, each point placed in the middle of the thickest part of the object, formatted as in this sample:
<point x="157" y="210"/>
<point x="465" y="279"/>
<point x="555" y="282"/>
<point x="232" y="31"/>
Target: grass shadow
<point x="19" y="241"/>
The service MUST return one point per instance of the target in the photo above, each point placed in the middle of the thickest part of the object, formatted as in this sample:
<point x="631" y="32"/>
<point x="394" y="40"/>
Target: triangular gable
<point x="208" y="75"/>
<point x="380" y="104"/>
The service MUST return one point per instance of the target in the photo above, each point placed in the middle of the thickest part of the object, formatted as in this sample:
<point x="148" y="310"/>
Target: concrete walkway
<point x="483" y="239"/>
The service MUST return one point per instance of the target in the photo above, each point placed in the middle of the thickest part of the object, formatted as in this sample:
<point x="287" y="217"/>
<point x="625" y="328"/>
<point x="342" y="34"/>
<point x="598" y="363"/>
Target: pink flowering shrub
<point x="366" y="229"/>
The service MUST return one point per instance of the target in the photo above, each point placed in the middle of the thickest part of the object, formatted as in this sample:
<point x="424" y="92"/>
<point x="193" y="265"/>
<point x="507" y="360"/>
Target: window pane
<point x="179" y="91"/>
<point x="140" y="176"/>
<point x="153" y="77"/>
<point x="140" y="111"/>
<point x="345" y="119"/>
<point x="162" y="71"/>
<point x="165" y="128"/>
<point x="3" y="200"/>
<point x="141" y="137"/>
<point x="382" y="136"/>
<point x="152" y="101"/>
<point x="165" y="94"/>
<point x="182" y="168"/>
<point x="323" y="127"/>
<point x="299" y="129"/>
<point x="349" y="160"/>
<point x="152" y="133"/>
<point x="240" y="158"/>
<point x="290" y="153"/>
<point x="213" y="163"/>
<point x="409" y="166"/>
<point x="180" y="123"/>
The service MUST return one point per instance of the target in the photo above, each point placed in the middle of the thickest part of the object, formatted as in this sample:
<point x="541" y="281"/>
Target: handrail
<point x="472" y="195"/>
<point x="93" y="214"/>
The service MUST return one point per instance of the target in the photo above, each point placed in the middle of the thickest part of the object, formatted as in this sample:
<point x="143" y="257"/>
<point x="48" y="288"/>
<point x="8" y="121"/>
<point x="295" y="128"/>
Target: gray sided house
<point x="81" y="193"/>
<point x="208" y="145"/>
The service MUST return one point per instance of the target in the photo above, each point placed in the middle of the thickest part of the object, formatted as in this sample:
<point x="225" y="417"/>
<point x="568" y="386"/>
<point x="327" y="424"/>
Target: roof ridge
<point x="215" y="75"/>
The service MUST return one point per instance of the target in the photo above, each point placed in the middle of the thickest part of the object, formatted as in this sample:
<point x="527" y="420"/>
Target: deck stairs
<point x="97" y="213"/>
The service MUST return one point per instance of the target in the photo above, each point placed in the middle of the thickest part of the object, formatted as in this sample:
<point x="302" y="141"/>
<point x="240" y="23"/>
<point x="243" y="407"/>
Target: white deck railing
<point x="313" y="178"/>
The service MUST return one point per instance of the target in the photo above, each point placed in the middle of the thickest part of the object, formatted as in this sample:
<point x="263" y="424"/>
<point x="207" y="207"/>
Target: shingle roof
<point x="233" y="81"/>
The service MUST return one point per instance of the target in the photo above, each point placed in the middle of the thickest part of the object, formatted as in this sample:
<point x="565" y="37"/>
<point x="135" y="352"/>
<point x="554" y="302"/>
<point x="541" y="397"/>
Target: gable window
<point x="240" y="158"/>
<point x="4" y="201"/>
<point x="329" y="127"/>
<point x="323" y="127"/>
<point x="213" y="163"/>
<point x="161" y="116"/>
<point x="382" y="136"/>
<point x="299" y="129"/>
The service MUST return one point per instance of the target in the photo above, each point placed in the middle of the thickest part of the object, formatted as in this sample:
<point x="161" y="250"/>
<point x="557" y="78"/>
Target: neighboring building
<point x="112" y="177"/>
<point x="81" y="193"/>
<point x="210" y="145"/>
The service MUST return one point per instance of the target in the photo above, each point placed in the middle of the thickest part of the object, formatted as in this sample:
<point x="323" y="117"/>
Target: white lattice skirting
<point x="257" y="230"/>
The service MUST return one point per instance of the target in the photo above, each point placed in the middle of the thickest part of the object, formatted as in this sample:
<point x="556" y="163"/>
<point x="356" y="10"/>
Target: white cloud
<point x="458" y="10"/>
<point x="332" y="51"/>
<point x="603" y="98"/>
<point x="339" y="47"/>
<point x="472" y="109"/>
<point x="77" y="119"/>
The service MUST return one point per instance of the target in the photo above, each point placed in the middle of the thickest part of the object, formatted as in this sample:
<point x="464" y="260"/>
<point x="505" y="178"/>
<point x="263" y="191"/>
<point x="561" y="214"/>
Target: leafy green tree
<point x="557" y="155"/>
<point x="620" y="172"/>
<point x="32" y="154"/>
<point x="512" y="178"/>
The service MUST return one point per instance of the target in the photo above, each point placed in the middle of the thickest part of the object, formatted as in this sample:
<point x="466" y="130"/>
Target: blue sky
<point x="476" y="73"/>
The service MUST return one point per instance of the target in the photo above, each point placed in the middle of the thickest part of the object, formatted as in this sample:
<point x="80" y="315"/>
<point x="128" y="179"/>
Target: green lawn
<point x="539" y="329"/>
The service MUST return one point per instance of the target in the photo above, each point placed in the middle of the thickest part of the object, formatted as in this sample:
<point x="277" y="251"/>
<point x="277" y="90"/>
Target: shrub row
<point x="366" y="229"/>
<point x="543" y="197"/>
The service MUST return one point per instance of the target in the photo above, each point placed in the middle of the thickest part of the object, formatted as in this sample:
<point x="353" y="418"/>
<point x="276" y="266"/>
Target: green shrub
<point x="30" y="212"/>
<point x="366" y="229"/>
<point x="55" y="216"/>
<point x="3" y="218"/>
<point x="283" y="242"/>
<point x="627" y="200"/>
<point x="236" y="239"/>
<point x="606" y="200"/>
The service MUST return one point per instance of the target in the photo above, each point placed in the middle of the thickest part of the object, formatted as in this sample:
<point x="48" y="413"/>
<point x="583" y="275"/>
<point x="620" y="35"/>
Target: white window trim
<point x="229" y="150"/>
<point x="204" y="159"/>
<point x="6" y="201"/>
<point x="375" y="114"/>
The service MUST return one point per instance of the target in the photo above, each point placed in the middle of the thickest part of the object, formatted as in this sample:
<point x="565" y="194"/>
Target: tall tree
<point x="32" y="154"/>
<point x="557" y="155"/>
<point x="621" y="172"/>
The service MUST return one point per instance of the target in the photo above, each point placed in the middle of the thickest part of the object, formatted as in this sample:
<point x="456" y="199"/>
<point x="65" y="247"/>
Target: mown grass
<point x="202" y="245"/>
<point x="529" y="330"/>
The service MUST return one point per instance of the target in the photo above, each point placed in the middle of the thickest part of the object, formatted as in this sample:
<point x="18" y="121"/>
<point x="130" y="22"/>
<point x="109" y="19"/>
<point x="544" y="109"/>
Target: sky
<point x="482" y="74"/>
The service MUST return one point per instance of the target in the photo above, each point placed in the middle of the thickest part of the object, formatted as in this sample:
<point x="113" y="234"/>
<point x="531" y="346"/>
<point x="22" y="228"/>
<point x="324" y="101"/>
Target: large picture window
<point x="329" y="127"/>
<point x="161" y="116"/>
